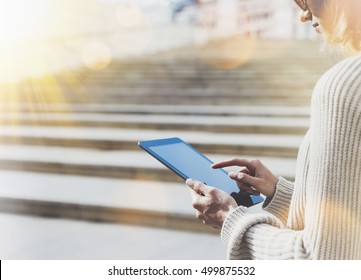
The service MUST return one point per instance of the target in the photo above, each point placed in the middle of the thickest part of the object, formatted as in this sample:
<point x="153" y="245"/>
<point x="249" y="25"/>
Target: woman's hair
<point x="341" y="23"/>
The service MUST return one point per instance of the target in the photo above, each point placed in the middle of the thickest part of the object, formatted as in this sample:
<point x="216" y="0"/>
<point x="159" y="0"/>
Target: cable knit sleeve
<point x="331" y="210"/>
<point x="260" y="236"/>
<point x="279" y="204"/>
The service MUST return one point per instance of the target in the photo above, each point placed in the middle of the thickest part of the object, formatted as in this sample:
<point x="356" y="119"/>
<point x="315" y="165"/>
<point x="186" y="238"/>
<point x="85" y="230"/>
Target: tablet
<point x="187" y="162"/>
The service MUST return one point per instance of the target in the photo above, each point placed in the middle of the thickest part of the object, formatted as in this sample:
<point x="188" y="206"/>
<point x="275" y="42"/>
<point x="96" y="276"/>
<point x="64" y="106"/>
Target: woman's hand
<point x="253" y="177"/>
<point x="212" y="204"/>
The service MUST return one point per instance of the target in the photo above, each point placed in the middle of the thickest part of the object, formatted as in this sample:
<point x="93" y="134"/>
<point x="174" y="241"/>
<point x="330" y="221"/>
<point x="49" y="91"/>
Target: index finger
<point x="233" y="162"/>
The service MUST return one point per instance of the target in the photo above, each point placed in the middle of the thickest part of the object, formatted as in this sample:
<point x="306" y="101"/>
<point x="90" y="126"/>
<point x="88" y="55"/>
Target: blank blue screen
<point x="193" y="165"/>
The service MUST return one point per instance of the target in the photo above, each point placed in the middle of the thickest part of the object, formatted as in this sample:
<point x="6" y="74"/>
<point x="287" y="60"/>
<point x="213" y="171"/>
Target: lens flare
<point x="19" y="20"/>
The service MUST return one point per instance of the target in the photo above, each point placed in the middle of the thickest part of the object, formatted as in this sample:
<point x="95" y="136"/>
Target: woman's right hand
<point x="253" y="177"/>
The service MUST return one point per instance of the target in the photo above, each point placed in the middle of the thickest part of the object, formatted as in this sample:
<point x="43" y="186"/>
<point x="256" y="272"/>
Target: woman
<point x="319" y="215"/>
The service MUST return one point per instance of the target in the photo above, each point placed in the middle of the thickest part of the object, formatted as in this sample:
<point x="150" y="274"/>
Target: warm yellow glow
<point x="23" y="24"/>
<point x="40" y="37"/>
<point x="21" y="20"/>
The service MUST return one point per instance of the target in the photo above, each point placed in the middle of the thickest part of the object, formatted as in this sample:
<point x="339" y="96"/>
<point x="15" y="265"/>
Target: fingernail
<point x="232" y="174"/>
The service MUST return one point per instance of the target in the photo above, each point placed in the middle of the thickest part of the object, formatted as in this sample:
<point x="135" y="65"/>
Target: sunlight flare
<point x="22" y="20"/>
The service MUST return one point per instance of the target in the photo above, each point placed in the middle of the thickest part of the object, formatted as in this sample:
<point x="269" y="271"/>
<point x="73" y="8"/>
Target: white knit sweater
<point x="318" y="216"/>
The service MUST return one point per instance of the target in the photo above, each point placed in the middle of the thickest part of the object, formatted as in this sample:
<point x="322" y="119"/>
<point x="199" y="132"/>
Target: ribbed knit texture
<point x="319" y="216"/>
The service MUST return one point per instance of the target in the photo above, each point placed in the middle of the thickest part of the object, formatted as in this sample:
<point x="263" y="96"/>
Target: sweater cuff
<point x="235" y="229"/>
<point x="232" y="222"/>
<point x="279" y="204"/>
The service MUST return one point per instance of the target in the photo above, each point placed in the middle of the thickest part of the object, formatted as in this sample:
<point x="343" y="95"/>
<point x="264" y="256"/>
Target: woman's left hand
<point x="212" y="204"/>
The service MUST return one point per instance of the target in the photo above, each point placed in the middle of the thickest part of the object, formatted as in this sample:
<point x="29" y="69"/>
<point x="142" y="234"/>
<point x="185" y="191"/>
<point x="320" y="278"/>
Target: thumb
<point x="197" y="186"/>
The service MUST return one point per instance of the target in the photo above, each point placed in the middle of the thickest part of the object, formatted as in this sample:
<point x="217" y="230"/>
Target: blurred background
<point x="83" y="81"/>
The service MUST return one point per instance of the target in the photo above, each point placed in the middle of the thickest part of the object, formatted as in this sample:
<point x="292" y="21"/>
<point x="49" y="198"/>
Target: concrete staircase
<point x="68" y="142"/>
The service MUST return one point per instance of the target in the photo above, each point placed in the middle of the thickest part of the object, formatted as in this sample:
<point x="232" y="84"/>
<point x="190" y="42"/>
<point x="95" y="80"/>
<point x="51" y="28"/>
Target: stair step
<point x="40" y="238"/>
<point x="239" y="124"/>
<point x="106" y="90"/>
<point x="114" y="164"/>
<point x="155" y="204"/>
<point x="163" y="109"/>
<point x="126" y="139"/>
<point x="172" y="96"/>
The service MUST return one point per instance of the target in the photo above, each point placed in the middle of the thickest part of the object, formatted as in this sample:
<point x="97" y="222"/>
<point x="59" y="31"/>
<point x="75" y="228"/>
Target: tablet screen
<point x="189" y="163"/>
